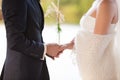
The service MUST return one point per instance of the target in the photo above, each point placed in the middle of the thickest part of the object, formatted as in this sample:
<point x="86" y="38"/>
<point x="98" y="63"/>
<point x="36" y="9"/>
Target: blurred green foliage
<point x="72" y="10"/>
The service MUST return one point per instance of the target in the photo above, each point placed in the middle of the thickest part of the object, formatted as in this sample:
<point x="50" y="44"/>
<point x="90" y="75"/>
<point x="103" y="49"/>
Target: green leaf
<point x="59" y="28"/>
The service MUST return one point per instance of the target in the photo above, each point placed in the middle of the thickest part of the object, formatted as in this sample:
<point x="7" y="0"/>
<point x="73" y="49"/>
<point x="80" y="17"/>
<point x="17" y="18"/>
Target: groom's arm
<point x="14" y="13"/>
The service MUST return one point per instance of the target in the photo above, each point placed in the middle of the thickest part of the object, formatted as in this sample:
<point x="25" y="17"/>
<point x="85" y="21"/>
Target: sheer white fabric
<point x="95" y="53"/>
<point x="117" y="42"/>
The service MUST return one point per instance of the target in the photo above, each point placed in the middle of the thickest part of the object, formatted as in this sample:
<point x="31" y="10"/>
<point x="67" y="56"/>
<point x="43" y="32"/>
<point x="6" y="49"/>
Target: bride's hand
<point x="69" y="45"/>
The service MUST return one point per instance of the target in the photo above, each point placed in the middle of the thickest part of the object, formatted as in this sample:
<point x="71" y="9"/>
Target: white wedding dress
<point x="94" y="52"/>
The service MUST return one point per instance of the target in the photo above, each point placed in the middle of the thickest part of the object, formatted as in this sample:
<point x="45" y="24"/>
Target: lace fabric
<point x="94" y="52"/>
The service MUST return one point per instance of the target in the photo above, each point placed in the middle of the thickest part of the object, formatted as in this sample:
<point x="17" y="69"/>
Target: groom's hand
<point x="53" y="49"/>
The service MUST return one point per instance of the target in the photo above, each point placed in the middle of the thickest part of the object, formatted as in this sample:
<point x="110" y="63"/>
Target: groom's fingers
<point x="58" y="54"/>
<point x="50" y="57"/>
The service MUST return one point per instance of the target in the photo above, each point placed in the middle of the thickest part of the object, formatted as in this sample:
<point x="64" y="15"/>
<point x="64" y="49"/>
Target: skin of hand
<point x="68" y="45"/>
<point x="53" y="50"/>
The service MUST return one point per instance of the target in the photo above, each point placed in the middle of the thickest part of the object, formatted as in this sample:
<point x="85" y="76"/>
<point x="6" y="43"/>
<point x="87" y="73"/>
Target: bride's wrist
<point x="68" y="46"/>
<point x="64" y="46"/>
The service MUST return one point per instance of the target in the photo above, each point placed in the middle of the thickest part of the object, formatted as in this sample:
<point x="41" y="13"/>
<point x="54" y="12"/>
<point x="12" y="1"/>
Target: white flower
<point x="52" y="8"/>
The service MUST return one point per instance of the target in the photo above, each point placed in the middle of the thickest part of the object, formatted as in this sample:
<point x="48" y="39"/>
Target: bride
<point x="96" y="44"/>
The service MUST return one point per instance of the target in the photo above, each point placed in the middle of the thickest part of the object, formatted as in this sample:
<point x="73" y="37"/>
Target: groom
<point x="25" y="59"/>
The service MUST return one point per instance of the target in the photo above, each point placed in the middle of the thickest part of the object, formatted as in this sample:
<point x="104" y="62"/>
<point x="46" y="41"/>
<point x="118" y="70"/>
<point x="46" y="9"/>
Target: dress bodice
<point x="88" y="23"/>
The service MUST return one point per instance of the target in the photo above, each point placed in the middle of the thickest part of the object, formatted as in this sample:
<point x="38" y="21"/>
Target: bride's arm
<point x="104" y="17"/>
<point x="69" y="45"/>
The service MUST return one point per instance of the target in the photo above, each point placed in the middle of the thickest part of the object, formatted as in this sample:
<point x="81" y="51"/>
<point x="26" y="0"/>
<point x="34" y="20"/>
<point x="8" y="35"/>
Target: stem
<point x="59" y="30"/>
<point x="58" y="4"/>
<point x="58" y="21"/>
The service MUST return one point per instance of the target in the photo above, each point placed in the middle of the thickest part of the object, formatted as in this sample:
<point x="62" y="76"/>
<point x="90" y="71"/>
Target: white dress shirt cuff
<point x="45" y="50"/>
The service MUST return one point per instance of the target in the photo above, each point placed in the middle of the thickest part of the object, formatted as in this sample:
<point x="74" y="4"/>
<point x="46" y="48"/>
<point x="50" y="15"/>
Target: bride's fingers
<point x="64" y="46"/>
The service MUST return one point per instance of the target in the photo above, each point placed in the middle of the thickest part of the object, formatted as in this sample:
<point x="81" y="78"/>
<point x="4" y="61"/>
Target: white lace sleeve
<point x="93" y="54"/>
<point x="90" y="43"/>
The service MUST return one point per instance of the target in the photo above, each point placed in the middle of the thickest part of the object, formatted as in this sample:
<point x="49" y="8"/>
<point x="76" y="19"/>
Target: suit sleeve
<point x="14" y="14"/>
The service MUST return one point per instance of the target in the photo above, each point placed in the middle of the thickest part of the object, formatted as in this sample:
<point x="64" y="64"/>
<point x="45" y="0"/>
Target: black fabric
<point x="2" y="73"/>
<point x="24" y="23"/>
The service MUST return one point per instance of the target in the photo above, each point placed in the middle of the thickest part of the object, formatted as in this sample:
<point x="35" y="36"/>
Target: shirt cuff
<point x="45" y="50"/>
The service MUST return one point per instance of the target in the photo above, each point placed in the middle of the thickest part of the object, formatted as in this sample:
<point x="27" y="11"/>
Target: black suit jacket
<point x="24" y="22"/>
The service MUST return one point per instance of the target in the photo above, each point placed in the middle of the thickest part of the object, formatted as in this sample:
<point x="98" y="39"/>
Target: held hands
<point x="54" y="50"/>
